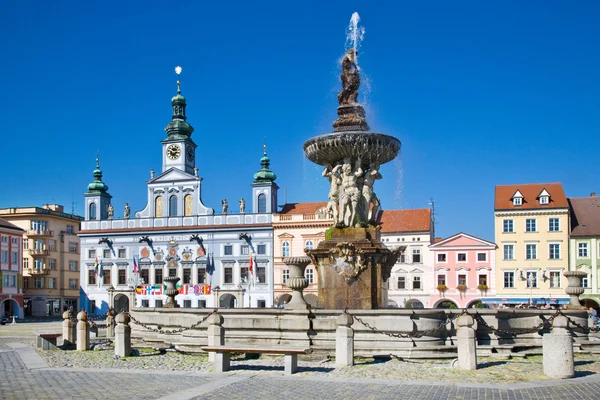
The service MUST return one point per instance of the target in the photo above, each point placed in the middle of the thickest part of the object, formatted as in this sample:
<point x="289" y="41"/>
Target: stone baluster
<point x="557" y="350"/>
<point x="122" y="335"/>
<point x="297" y="282"/>
<point x="344" y="341"/>
<point x="216" y="337"/>
<point x="83" y="331"/>
<point x="467" y="343"/>
<point x="68" y="331"/>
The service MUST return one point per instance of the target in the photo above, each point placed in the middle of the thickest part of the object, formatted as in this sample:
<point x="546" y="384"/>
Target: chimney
<point x="593" y="194"/>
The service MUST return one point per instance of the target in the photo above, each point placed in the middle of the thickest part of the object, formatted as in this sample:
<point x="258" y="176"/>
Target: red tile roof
<point x="302" y="208"/>
<point x="531" y="191"/>
<point x="417" y="220"/>
<point x="585" y="216"/>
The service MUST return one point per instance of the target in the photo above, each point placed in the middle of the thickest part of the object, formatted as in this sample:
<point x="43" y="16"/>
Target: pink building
<point x="11" y="270"/>
<point x="464" y="271"/>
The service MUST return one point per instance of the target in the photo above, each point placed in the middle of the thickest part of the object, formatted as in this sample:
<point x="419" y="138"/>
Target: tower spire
<point x="178" y="128"/>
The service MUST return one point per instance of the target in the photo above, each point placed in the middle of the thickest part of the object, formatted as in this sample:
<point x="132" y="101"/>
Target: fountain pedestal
<point x="353" y="267"/>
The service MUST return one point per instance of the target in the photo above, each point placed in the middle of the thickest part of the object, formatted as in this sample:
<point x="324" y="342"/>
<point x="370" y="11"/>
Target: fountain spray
<point x="354" y="35"/>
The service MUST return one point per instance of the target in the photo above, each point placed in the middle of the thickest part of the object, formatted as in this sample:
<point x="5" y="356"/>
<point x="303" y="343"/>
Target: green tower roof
<point x="178" y="128"/>
<point x="265" y="175"/>
<point x="97" y="186"/>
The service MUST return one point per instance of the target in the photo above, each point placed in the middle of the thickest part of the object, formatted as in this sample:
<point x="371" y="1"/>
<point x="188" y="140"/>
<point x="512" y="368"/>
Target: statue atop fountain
<point x="352" y="263"/>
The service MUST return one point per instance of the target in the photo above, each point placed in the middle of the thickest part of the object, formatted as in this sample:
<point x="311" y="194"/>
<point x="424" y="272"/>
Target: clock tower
<point x="178" y="149"/>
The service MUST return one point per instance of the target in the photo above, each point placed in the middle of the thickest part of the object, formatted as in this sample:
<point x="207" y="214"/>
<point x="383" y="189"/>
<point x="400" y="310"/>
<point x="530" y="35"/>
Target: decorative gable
<point x="517" y="198"/>
<point x="544" y="197"/>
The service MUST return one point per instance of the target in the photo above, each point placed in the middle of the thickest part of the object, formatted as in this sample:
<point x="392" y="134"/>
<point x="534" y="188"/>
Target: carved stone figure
<point x="224" y="206"/>
<point x="350" y="79"/>
<point x="368" y="196"/>
<point x="350" y="192"/>
<point x="242" y="206"/>
<point x="111" y="211"/>
<point x="126" y="211"/>
<point x="335" y="182"/>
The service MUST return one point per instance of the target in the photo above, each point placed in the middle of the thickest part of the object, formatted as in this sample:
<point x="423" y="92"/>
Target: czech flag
<point x="135" y="266"/>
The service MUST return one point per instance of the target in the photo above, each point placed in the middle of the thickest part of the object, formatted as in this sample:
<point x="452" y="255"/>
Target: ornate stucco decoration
<point x="347" y="261"/>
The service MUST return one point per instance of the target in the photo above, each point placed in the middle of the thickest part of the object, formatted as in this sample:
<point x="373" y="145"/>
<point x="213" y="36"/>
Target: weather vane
<point x="178" y="72"/>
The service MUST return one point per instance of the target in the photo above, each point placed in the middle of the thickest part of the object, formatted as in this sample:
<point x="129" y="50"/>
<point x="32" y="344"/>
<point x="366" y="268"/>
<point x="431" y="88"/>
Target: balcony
<point x="38" y="252"/>
<point x="35" y="271"/>
<point x="40" y="233"/>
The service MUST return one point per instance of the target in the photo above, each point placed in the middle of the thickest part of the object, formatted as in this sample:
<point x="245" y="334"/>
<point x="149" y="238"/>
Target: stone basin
<point x="369" y="146"/>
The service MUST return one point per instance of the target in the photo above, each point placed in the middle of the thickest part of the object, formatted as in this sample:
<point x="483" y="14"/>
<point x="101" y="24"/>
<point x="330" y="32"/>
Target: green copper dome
<point x="178" y="128"/>
<point x="265" y="175"/>
<point x="97" y="186"/>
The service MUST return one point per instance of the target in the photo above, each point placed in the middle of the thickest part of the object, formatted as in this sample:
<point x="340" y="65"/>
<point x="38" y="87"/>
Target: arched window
<point x="262" y="203"/>
<point x="187" y="205"/>
<point x="309" y="244"/>
<point x="158" y="207"/>
<point x="92" y="211"/>
<point x="285" y="249"/>
<point x="173" y="206"/>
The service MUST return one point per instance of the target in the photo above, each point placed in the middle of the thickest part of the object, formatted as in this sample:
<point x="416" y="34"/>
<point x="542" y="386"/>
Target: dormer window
<point x="517" y="201"/>
<point x="544" y="197"/>
<point x="544" y="200"/>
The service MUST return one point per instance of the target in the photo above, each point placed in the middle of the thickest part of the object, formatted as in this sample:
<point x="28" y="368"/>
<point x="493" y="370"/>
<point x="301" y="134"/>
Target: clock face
<point x="173" y="152"/>
<point x="190" y="154"/>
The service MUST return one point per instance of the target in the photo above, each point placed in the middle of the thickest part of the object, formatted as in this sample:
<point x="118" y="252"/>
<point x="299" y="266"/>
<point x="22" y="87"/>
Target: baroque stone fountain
<point x="353" y="265"/>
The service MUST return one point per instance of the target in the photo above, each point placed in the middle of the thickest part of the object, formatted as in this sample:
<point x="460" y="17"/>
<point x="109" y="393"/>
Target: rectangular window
<point x="91" y="253"/>
<point x="261" y="303"/>
<point x="13" y="281"/>
<point x="172" y="271"/>
<point x="310" y="275"/>
<point x="145" y="303"/>
<point x="402" y="257"/>
<point x="543" y="199"/>
<point x="15" y="240"/>
<point x="201" y="303"/>
<point x="441" y="257"/>
<point x="187" y="304"/>
<point x="122" y="277"/>
<point x="244" y="274"/>
<point x="228" y="250"/>
<point x="482" y="257"/>
<point x="122" y="253"/>
<point x="52" y="245"/>
<point x="25" y="263"/>
<point x="25" y="244"/>
<point x="145" y="275"/>
<point x="531" y="279"/>
<point x="106" y="253"/>
<point x="245" y="250"/>
<point x="38" y="283"/>
<point x="158" y="303"/>
<point x="72" y="247"/>
<point x="585" y="281"/>
<point x="461" y="256"/>
<point x="554" y="279"/>
<point x="416" y="282"/>
<point x="509" y="279"/>
<point x="554" y="251"/>
<point x="482" y="280"/>
<point x="4" y="256"/>
<point x="201" y="275"/>
<point x="261" y="276"/>
<point x="554" y="225"/>
<point x="70" y="229"/>
<point x="158" y="275"/>
<point x="26" y="283"/>
<point x="51" y="283"/>
<point x="531" y="251"/>
<point x="261" y="249"/>
<point x="91" y="277"/>
<point x="583" y="250"/>
<point x="285" y="275"/>
<point x="92" y="306"/>
<point x="5" y="280"/>
<point x="530" y="225"/>
<point x="106" y="276"/>
<point x="507" y="226"/>
<point x="509" y="252"/>
<point x="462" y="279"/>
<point x="228" y="275"/>
<point x="401" y="282"/>
<point x="441" y="280"/>
<point x="72" y="265"/>
<point x="14" y="256"/>
<point x="187" y="276"/>
<point x="52" y="264"/>
<point x="517" y="201"/>
<point x="416" y="256"/>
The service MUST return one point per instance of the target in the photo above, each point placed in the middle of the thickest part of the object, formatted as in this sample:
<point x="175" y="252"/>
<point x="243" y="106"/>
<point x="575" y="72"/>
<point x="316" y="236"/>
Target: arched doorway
<point x="227" y="301"/>
<point x="10" y="307"/>
<point x="121" y="303"/>
<point x="414" y="304"/>
<point x="284" y="299"/>
<point x="446" y="304"/>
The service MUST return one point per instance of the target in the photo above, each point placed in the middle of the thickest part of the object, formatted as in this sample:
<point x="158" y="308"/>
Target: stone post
<point x="297" y="282"/>
<point x="68" y="333"/>
<point x="83" y="332"/>
<point x="110" y="323"/>
<point x="216" y="337"/>
<point x="466" y="343"/>
<point x="557" y="348"/>
<point x="122" y="335"/>
<point x="344" y="341"/>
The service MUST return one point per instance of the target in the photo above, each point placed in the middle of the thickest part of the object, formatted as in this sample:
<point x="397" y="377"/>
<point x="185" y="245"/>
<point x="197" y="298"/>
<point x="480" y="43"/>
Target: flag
<point x="250" y="264"/>
<point x="135" y="266"/>
<point x="208" y="265"/>
<point x="96" y="266"/>
<point x="138" y="290"/>
<point x="100" y="274"/>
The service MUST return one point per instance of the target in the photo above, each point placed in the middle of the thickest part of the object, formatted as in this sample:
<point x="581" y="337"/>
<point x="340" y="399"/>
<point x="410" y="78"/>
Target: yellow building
<point x="531" y="225"/>
<point x="50" y="258"/>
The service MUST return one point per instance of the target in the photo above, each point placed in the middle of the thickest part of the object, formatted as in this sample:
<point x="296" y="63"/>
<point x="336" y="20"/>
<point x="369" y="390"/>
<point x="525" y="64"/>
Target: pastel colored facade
<point x="177" y="235"/>
<point x="584" y="244"/>
<point x="295" y="228"/>
<point x="11" y="270"/>
<point x="464" y="271"/>
<point x="531" y="225"/>
<point x="411" y="280"/>
<point x="50" y="258"/>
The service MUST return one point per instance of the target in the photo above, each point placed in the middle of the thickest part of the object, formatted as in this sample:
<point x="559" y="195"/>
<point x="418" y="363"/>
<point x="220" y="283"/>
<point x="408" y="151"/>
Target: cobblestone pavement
<point x="24" y="374"/>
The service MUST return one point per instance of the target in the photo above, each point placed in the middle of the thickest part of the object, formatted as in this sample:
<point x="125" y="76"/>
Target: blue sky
<point x="479" y="93"/>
